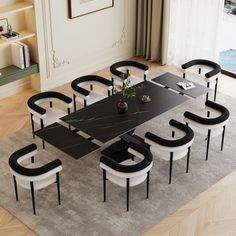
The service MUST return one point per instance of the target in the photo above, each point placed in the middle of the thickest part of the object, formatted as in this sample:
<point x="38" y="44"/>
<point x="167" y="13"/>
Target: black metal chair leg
<point x="32" y="159"/>
<point x="104" y="185"/>
<point x="32" y="194"/>
<point x="127" y="194"/>
<point x="42" y="126"/>
<point x="208" y="86"/>
<point x="188" y="156"/>
<point x="58" y="189"/>
<point x="74" y="102"/>
<point x="32" y="124"/>
<point x="15" y="185"/>
<point x="43" y="143"/>
<point x="215" y="89"/>
<point x="222" y="139"/>
<point x="170" y="171"/>
<point x="112" y="91"/>
<point x="208" y="113"/>
<point x="183" y="75"/>
<point x="173" y="134"/>
<point x="148" y="176"/>
<point x="208" y="143"/>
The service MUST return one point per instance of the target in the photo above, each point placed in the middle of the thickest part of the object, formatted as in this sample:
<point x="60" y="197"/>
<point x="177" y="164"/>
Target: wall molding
<point x="57" y="62"/>
<point x="58" y="69"/>
<point x="122" y="38"/>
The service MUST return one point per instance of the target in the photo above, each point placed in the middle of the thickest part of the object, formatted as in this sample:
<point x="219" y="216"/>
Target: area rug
<point x="83" y="211"/>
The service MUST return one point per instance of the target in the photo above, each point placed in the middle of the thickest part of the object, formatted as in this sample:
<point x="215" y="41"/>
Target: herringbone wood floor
<point x="15" y="116"/>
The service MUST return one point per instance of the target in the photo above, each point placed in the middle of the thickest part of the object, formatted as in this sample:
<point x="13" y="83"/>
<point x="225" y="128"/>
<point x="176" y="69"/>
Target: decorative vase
<point x="122" y="106"/>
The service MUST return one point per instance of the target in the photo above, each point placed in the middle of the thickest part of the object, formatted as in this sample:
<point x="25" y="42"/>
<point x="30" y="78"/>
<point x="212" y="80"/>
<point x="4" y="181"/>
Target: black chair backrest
<point x="130" y="168"/>
<point x="215" y="67"/>
<point x="15" y="165"/>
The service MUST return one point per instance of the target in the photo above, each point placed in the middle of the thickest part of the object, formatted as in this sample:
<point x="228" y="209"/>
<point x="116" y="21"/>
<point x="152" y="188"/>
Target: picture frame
<point x="79" y="8"/>
<point x="3" y="26"/>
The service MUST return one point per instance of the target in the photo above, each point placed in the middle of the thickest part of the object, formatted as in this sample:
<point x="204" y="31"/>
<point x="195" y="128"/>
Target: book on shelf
<point x="26" y="54"/>
<point x="8" y="37"/>
<point x="20" y="55"/>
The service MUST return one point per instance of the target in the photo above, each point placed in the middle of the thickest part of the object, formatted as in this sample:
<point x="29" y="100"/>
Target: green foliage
<point x="127" y="90"/>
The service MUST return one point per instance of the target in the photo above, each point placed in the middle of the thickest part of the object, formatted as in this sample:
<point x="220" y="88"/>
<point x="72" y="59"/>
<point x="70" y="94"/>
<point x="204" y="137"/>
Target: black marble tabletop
<point x="67" y="141"/>
<point x="169" y="80"/>
<point x="102" y="121"/>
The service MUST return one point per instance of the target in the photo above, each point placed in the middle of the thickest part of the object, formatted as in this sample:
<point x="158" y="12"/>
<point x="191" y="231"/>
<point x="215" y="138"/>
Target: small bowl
<point x="146" y="98"/>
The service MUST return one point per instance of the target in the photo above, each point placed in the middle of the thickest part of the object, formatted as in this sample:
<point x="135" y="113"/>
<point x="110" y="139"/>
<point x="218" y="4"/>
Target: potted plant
<point x="127" y="91"/>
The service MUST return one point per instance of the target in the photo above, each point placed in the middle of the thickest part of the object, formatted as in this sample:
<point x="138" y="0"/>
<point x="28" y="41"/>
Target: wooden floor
<point x="15" y="117"/>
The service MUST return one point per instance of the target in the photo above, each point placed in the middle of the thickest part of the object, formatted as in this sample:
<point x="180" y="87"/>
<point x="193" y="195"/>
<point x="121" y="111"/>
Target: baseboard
<point x="14" y="87"/>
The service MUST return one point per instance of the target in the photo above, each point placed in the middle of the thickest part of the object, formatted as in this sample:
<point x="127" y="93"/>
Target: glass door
<point x="227" y="47"/>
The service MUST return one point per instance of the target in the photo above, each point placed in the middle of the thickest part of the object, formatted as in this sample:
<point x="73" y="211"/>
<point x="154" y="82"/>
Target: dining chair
<point x="129" y="172"/>
<point x="33" y="176"/>
<point x="210" y="126"/>
<point x="172" y="149"/>
<point x="211" y="72"/>
<point x="122" y="71"/>
<point x="45" y="116"/>
<point x="89" y="96"/>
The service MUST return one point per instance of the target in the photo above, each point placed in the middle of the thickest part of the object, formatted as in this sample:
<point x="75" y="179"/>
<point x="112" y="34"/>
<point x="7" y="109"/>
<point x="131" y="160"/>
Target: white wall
<point x="69" y="48"/>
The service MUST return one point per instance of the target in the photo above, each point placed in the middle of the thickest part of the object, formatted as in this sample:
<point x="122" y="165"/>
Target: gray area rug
<point x="83" y="211"/>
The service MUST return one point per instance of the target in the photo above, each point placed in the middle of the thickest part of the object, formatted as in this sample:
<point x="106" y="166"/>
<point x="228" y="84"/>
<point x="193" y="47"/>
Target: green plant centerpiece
<point x="127" y="91"/>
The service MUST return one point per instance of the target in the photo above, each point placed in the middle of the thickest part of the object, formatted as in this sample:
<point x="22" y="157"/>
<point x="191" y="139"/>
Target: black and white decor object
<point x="172" y="149"/>
<point x="33" y="176"/>
<point x="211" y="76"/>
<point x="130" y="172"/>
<point x="121" y="71"/>
<point x="211" y="127"/>
<point x="47" y="116"/>
<point x="20" y="55"/>
<point x="88" y="97"/>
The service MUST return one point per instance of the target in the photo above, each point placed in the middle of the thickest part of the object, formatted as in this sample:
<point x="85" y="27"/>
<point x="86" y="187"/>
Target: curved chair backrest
<point x="30" y="173"/>
<point x="50" y="96"/>
<point x="118" y="68"/>
<point x="172" y="145"/>
<point x="206" y="122"/>
<point x="128" y="171"/>
<point x="215" y="68"/>
<point x="90" y="79"/>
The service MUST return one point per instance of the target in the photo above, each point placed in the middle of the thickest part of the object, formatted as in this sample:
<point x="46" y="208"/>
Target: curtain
<point x="152" y="29"/>
<point x="194" y="28"/>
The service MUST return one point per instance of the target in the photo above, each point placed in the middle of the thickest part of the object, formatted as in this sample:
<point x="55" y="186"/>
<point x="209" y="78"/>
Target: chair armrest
<point x="36" y="173"/>
<point x="23" y="154"/>
<point x="132" y="168"/>
<point x="84" y="92"/>
<point x="137" y="150"/>
<point x="63" y="97"/>
<point x="212" y="73"/>
<point x="187" y="138"/>
<point x="36" y="109"/>
<point x="196" y="118"/>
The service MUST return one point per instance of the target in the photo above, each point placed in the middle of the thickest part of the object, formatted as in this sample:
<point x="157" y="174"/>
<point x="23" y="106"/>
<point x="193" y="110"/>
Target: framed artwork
<point x="3" y="26"/>
<point x="83" y="7"/>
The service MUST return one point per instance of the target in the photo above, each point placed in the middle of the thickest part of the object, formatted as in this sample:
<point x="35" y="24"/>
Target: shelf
<point x="13" y="73"/>
<point x="25" y="34"/>
<point x="15" y="7"/>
